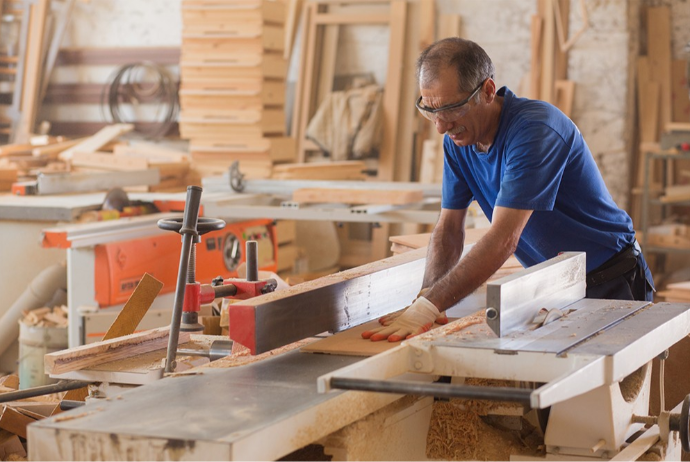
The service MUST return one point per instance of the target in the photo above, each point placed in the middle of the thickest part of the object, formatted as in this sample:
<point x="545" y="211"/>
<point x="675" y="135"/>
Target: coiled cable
<point x="142" y="83"/>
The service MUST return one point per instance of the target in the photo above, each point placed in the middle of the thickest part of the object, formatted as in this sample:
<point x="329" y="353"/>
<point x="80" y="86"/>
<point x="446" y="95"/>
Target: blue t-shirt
<point x="539" y="161"/>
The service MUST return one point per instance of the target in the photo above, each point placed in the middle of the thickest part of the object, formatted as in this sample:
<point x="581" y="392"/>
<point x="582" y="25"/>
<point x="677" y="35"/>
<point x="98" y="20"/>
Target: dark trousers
<point x="625" y="276"/>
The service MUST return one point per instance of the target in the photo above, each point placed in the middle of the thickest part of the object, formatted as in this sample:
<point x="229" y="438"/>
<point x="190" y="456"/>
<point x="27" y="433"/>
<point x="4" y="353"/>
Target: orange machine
<point x="120" y="265"/>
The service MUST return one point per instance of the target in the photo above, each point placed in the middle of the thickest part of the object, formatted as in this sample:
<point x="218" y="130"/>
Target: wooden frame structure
<point x="321" y="20"/>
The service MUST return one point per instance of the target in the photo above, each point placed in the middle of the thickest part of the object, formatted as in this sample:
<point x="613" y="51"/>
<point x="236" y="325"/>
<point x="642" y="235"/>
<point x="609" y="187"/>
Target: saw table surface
<point x="260" y="411"/>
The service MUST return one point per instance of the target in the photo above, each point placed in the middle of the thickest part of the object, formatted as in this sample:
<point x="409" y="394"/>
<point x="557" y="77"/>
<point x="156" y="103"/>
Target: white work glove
<point x="416" y="319"/>
<point x="388" y="319"/>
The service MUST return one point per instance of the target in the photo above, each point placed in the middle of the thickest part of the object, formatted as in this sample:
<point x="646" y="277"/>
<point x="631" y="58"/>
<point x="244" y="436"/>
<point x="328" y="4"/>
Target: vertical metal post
<point x="252" y="260"/>
<point x="189" y="234"/>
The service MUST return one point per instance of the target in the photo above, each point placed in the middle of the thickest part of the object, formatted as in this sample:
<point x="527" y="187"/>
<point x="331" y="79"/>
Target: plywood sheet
<point x="351" y="343"/>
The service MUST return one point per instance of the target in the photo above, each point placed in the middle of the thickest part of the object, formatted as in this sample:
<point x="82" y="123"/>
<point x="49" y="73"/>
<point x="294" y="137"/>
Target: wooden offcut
<point x="109" y="350"/>
<point x="659" y="55"/>
<point x="136" y="307"/>
<point x="97" y="141"/>
<point x="358" y="196"/>
<point x="14" y="421"/>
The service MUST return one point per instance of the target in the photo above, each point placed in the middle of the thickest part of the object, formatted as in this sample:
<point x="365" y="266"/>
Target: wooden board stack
<point x="232" y="90"/>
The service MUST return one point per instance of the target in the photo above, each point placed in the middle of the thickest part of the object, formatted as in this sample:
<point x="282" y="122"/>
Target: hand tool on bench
<point x="190" y="294"/>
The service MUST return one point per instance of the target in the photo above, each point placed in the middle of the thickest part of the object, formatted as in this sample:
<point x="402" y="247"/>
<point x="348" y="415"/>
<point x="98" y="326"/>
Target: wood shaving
<point x="457" y="431"/>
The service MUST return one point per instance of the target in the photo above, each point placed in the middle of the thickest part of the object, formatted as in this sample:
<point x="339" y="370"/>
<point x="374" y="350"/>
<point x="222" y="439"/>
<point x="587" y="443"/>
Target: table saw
<point x="589" y="367"/>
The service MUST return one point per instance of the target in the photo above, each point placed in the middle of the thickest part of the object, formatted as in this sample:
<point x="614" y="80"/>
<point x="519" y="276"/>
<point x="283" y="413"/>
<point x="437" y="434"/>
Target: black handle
<point x="191" y="210"/>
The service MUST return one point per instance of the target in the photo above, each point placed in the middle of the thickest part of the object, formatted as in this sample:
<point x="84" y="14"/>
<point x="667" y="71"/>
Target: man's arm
<point x="445" y="246"/>
<point x="485" y="258"/>
<point x="465" y="276"/>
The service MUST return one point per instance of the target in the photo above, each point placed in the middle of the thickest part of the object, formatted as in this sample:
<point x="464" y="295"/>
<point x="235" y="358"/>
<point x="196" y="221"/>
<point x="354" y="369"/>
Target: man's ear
<point x="489" y="91"/>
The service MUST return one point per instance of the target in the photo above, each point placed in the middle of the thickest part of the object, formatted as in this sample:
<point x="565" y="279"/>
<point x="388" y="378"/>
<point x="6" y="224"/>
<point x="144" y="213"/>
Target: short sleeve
<point x="456" y="194"/>
<point x="535" y="160"/>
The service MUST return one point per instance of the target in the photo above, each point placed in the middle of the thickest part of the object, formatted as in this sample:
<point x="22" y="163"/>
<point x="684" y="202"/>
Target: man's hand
<point x="416" y="319"/>
<point x="388" y="319"/>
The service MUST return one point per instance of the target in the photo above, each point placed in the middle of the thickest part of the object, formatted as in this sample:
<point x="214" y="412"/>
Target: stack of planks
<point x="232" y="91"/>
<point x="103" y="152"/>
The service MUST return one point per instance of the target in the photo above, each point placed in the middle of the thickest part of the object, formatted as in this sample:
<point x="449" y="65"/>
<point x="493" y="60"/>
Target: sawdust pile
<point x="457" y="431"/>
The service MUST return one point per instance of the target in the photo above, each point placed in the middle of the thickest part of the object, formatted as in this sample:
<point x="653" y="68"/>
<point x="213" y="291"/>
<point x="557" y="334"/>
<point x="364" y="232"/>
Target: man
<point x="530" y="170"/>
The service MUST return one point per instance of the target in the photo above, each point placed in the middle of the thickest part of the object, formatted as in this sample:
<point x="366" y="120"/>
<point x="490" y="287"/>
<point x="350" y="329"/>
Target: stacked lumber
<point x="46" y="317"/>
<point x="232" y="90"/>
<point x="102" y="152"/>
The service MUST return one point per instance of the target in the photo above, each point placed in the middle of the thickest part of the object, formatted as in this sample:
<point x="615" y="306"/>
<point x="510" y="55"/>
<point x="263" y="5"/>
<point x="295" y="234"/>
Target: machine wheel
<point x="685" y="424"/>
<point x="204" y="225"/>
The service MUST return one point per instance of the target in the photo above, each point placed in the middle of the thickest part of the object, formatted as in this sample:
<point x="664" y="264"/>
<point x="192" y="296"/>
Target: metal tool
<point x="218" y="349"/>
<point x="190" y="294"/>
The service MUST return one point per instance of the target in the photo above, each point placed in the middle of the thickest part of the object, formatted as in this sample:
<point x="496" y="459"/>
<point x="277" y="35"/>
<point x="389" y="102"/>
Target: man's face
<point x="462" y="124"/>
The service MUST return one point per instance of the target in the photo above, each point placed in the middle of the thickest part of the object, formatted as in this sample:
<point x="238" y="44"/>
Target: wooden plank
<point x="535" y="60"/>
<point x="52" y="151"/>
<point x="14" y="421"/>
<point x="358" y="196"/>
<point x="117" y="56"/>
<point x="305" y="104"/>
<point x="562" y="11"/>
<point x="679" y="88"/>
<point x="648" y="102"/>
<point x="659" y="55"/>
<point x="107" y="161"/>
<point x="393" y="86"/>
<point x="109" y="350"/>
<point x="150" y="151"/>
<point x="98" y="140"/>
<point x="548" y="50"/>
<point x="294" y="8"/>
<point x="136" y="307"/>
<point x="33" y="71"/>
<point x="565" y="93"/>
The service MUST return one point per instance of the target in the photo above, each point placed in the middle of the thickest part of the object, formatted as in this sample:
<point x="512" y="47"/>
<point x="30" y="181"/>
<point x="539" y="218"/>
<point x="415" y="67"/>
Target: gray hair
<point x="470" y="61"/>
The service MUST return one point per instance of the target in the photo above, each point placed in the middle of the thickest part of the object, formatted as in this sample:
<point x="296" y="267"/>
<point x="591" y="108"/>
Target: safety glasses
<point x="449" y="112"/>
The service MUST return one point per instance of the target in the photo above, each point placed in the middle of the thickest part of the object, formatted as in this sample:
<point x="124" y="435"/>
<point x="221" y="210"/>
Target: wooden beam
<point x="358" y="196"/>
<point x="117" y="56"/>
<point x="344" y="19"/>
<point x="391" y="95"/>
<point x="535" y="60"/>
<point x="97" y="141"/>
<point x="659" y="56"/>
<point x="109" y="350"/>
<point x="33" y="70"/>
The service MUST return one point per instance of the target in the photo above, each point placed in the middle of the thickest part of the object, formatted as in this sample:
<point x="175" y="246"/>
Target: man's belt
<point x="618" y="265"/>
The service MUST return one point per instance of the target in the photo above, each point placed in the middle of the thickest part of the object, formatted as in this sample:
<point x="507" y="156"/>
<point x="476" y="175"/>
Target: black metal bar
<point x="189" y="233"/>
<point x="438" y="390"/>
<point x="252" y="260"/>
<point x="62" y="385"/>
<point x="67" y="404"/>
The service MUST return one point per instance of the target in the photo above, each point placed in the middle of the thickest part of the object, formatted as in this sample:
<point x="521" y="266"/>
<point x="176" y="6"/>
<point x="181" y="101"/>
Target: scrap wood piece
<point x="51" y="151"/>
<point x="358" y="196"/>
<point x="14" y="421"/>
<point x="10" y="381"/>
<point x="10" y="446"/>
<point x="343" y="170"/>
<point x="93" y="143"/>
<point x="84" y="356"/>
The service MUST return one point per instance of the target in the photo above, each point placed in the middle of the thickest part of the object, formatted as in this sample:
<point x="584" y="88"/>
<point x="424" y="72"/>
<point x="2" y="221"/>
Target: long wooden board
<point x="358" y="196"/>
<point x="109" y="350"/>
